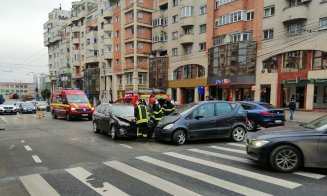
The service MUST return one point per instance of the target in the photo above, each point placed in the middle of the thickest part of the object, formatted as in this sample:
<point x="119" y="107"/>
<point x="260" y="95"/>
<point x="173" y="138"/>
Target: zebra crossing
<point x="208" y="170"/>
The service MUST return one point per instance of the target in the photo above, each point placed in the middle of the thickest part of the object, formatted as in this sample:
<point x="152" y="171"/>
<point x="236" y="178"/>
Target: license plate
<point x="85" y="115"/>
<point x="278" y="121"/>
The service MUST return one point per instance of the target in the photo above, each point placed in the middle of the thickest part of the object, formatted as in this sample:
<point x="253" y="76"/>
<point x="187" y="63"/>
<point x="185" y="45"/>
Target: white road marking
<point x="22" y="141"/>
<point x="242" y="172"/>
<point x="82" y="175"/>
<point x="37" y="186"/>
<point x="237" y="144"/>
<point x="203" y="177"/>
<point x="310" y="175"/>
<point x="12" y="147"/>
<point x="155" y="181"/>
<point x="4" y="120"/>
<point x="126" y="146"/>
<point x="36" y="159"/>
<point x="28" y="148"/>
<point x="229" y="149"/>
<point x="224" y="156"/>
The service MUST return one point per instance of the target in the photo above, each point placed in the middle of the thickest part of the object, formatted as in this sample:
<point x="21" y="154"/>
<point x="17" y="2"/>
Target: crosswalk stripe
<point x="150" y="179"/>
<point x="224" y="156"/>
<point x="242" y="172"/>
<point x="310" y="175"/>
<point x="36" y="159"/>
<point x="37" y="186"/>
<point x="237" y="144"/>
<point x="126" y="146"/>
<point x="228" y="149"/>
<point x="82" y="175"/>
<point x="28" y="148"/>
<point x="203" y="177"/>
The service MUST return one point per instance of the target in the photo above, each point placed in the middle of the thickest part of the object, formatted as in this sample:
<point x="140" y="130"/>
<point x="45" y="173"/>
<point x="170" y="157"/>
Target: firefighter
<point x="168" y="107"/>
<point x="142" y="119"/>
<point x="157" y="113"/>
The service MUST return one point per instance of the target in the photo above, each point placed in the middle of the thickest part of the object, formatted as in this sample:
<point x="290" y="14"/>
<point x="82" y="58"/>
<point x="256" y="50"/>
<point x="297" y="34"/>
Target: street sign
<point x="200" y="90"/>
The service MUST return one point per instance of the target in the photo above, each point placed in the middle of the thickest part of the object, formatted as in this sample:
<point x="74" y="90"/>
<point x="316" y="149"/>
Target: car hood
<point x="169" y="119"/>
<point x="3" y="105"/>
<point x="283" y="132"/>
<point x="126" y="118"/>
<point x="80" y="105"/>
<point x="28" y="107"/>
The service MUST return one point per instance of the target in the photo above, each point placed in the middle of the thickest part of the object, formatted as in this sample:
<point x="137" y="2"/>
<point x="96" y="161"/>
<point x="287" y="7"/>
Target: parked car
<point x="26" y="107"/>
<point x="203" y="120"/>
<point x="41" y="105"/>
<point x="116" y="120"/>
<point x="8" y="107"/>
<point x="286" y="150"/>
<point x="262" y="114"/>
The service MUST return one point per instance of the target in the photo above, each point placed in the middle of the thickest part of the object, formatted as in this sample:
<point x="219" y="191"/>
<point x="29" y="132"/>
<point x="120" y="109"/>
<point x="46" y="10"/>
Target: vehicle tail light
<point x="266" y="113"/>
<point x="92" y="108"/>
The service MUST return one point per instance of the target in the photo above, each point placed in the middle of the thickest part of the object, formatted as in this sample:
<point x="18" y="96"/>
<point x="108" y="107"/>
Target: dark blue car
<point x="262" y="114"/>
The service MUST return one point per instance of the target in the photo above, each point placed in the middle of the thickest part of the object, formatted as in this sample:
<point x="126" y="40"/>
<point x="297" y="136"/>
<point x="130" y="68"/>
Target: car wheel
<point x="251" y="125"/>
<point x="95" y="127"/>
<point x="113" y="132"/>
<point x="54" y="116"/>
<point x="238" y="134"/>
<point x="68" y="117"/>
<point x="179" y="137"/>
<point x="285" y="159"/>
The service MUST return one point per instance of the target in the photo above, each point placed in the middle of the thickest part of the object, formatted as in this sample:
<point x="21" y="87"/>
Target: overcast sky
<point x="21" y="37"/>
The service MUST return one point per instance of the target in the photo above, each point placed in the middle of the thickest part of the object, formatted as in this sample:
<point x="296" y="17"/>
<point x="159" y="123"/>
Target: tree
<point x="45" y="93"/>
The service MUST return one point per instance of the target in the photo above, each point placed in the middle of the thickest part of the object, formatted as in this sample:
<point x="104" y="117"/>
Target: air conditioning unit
<point x="264" y="71"/>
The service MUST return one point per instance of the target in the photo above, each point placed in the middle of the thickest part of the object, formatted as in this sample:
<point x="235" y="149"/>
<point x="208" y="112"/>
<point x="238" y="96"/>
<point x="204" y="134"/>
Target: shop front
<point x="320" y="94"/>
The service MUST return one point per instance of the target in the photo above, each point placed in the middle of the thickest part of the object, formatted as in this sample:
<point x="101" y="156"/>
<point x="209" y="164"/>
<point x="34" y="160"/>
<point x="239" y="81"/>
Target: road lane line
<point x="224" y="156"/>
<point x="82" y="175"/>
<point x="228" y="149"/>
<point x="203" y="177"/>
<point x="28" y="148"/>
<point x="36" y="159"/>
<point x="310" y="175"/>
<point x="242" y="172"/>
<point x="150" y="179"/>
<point x="126" y="146"/>
<point x="4" y="120"/>
<point x="237" y="144"/>
<point x="37" y="186"/>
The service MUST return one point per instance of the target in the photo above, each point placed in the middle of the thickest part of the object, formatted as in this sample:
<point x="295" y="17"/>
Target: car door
<point x="201" y="122"/>
<point x="322" y="149"/>
<point x="98" y="117"/>
<point x="106" y="118"/>
<point x="224" y="119"/>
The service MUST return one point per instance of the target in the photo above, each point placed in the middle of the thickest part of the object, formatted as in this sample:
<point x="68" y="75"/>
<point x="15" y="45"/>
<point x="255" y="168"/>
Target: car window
<point x="267" y="105"/>
<point x="107" y="109"/>
<point x="102" y="109"/>
<point x="241" y="111"/>
<point x="205" y="110"/>
<point x="223" y="108"/>
<point x="247" y="106"/>
<point x="233" y="105"/>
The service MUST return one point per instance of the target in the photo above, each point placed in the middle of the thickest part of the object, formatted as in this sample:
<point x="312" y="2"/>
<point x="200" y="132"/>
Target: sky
<point x="22" y="52"/>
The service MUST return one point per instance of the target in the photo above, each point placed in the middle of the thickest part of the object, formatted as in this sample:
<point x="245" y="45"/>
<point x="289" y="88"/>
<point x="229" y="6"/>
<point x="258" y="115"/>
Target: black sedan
<point x="27" y="107"/>
<point x="116" y="120"/>
<point x="262" y="114"/>
<point x="288" y="150"/>
<point x="203" y="120"/>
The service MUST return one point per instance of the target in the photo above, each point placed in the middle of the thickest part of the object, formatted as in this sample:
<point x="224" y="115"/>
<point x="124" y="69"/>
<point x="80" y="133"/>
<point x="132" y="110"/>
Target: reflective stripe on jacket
<point x="157" y="112"/>
<point x="142" y="114"/>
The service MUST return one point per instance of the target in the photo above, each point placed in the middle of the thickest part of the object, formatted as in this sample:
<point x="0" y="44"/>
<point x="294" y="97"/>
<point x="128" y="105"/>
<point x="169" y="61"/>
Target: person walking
<point x="142" y="119"/>
<point x="168" y="107"/>
<point x="292" y="107"/>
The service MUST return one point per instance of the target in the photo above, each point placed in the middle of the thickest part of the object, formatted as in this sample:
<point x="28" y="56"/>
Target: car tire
<point x="54" y="116"/>
<point x="95" y="127"/>
<point x="113" y="132"/>
<point x="68" y="117"/>
<point x="238" y="134"/>
<point x="179" y="137"/>
<point x="251" y="125"/>
<point x="285" y="159"/>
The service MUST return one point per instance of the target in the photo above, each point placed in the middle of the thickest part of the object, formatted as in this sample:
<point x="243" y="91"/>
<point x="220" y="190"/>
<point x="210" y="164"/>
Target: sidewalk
<point x="304" y="116"/>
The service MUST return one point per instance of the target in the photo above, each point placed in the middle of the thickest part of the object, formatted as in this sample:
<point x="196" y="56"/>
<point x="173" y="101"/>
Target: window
<point x="175" y="18"/>
<point x="222" y="2"/>
<point x="223" y="108"/>
<point x="139" y="45"/>
<point x="268" y="34"/>
<point x="202" y="46"/>
<point x="249" y="15"/>
<point x="203" y="28"/>
<point x="142" y="78"/>
<point x="129" y="79"/>
<point x="188" y="49"/>
<point x="139" y="14"/>
<point x="117" y="18"/>
<point x="117" y="48"/>
<point x="270" y="64"/>
<point x="132" y="15"/>
<point x="294" y="29"/>
<point x="319" y="60"/>
<point x="269" y="11"/>
<point x="205" y="111"/>
<point x="188" y="30"/>
<point x="295" y="3"/>
<point x="140" y="60"/>
<point x="175" y="3"/>
<point x="174" y="35"/>
<point x="132" y="45"/>
<point x="132" y="31"/>
<point x="294" y="61"/>
<point x="117" y="33"/>
<point x="218" y="40"/>
<point x="245" y="36"/>
<point x="323" y="22"/>
<point x="235" y="17"/>
<point x="203" y="9"/>
<point x="187" y="11"/>
<point x="175" y="51"/>
<point x="139" y="30"/>
<point x="117" y="61"/>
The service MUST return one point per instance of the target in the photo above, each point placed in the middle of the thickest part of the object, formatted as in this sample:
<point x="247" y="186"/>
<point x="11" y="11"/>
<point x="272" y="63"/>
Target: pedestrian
<point x="292" y="107"/>
<point x="142" y="119"/>
<point x="157" y="113"/>
<point x="168" y="107"/>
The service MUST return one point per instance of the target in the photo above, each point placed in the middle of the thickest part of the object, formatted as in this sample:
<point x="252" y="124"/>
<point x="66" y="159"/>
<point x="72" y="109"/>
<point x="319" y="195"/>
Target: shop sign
<point x="200" y="90"/>
<point x="321" y="80"/>
<point x="222" y="81"/>
<point x="289" y="81"/>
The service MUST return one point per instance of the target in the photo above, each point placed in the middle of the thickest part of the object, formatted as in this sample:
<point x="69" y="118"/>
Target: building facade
<point x="21" y="89"/>
<point x="292" y="62"/>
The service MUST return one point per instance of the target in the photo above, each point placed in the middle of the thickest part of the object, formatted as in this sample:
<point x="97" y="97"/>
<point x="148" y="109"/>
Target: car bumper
<point x="81" y="115"/>
<point x="127" y="131"/>
<point x="7" y="111"/>
<point x="28" y="111"/>
<point x="162" y="134"/>
<point x="258" y="154"/>
<point x="265" y="121"/>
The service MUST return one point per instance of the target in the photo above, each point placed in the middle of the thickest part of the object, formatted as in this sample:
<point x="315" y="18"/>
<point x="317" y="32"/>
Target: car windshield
<point x="42" y="103"/>
<point x="267" y="105"/>
<point x="123" y="111"/>
<point x="77" y="99"/>
<point x="8" y="103"/>
<point x="184" y="109"/>
<point x="27" y="105"/>
<point x="319" y="124"/>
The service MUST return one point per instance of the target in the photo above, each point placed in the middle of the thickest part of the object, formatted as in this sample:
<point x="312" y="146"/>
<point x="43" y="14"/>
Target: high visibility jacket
<point x="157" y="112"/>
<point x="168" y="108"/>
<point x="141" y="114"/>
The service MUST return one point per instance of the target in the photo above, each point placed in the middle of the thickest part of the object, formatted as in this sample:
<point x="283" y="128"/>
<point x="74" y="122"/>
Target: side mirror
<point x="199" y="117"/>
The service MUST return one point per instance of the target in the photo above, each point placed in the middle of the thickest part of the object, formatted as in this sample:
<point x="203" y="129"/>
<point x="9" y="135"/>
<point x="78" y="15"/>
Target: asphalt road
<point x="55" y="157"/>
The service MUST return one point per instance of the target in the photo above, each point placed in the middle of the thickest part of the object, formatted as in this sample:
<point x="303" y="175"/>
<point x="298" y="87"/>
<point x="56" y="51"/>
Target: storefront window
<point x="270" y="65"/>
<point x="295" y="61"/>
<point x="319" y="60"/>
<point x="189" y="72"/>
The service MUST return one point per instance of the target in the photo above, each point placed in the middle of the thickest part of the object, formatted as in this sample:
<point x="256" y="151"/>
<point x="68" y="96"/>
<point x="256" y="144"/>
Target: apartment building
<point x="293" y="59"/>
<point x="19" y="88"/>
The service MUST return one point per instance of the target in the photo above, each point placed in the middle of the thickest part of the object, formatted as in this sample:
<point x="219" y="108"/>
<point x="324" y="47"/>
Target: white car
<point x="8" y="107"/>
<point x="41" y="105"/>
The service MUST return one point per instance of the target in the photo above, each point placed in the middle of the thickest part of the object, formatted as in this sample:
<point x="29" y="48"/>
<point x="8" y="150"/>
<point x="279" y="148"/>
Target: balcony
<point x="75" y="29"/>
<point x="187" y="39"/>
<point x="74" y="17"/>
<point x="53" y="78"/>
<point x="92" y="46"/>
<point x="108" y="41"/>
<point x="75" y="40"/>
<point x="159" y="46"/>
<point x="76" y="63"/>
<point x="107" y="13"/>
<point x="77" y="75"/>
<point x="108" y="55"/>
<point x="108" y="27"/>
<point x="81" y="14"/>
<point x="187" y="21"/>
<point x="187" y="3"/>
<point x="92" y="59"/>
<point x="299" y="12"/>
